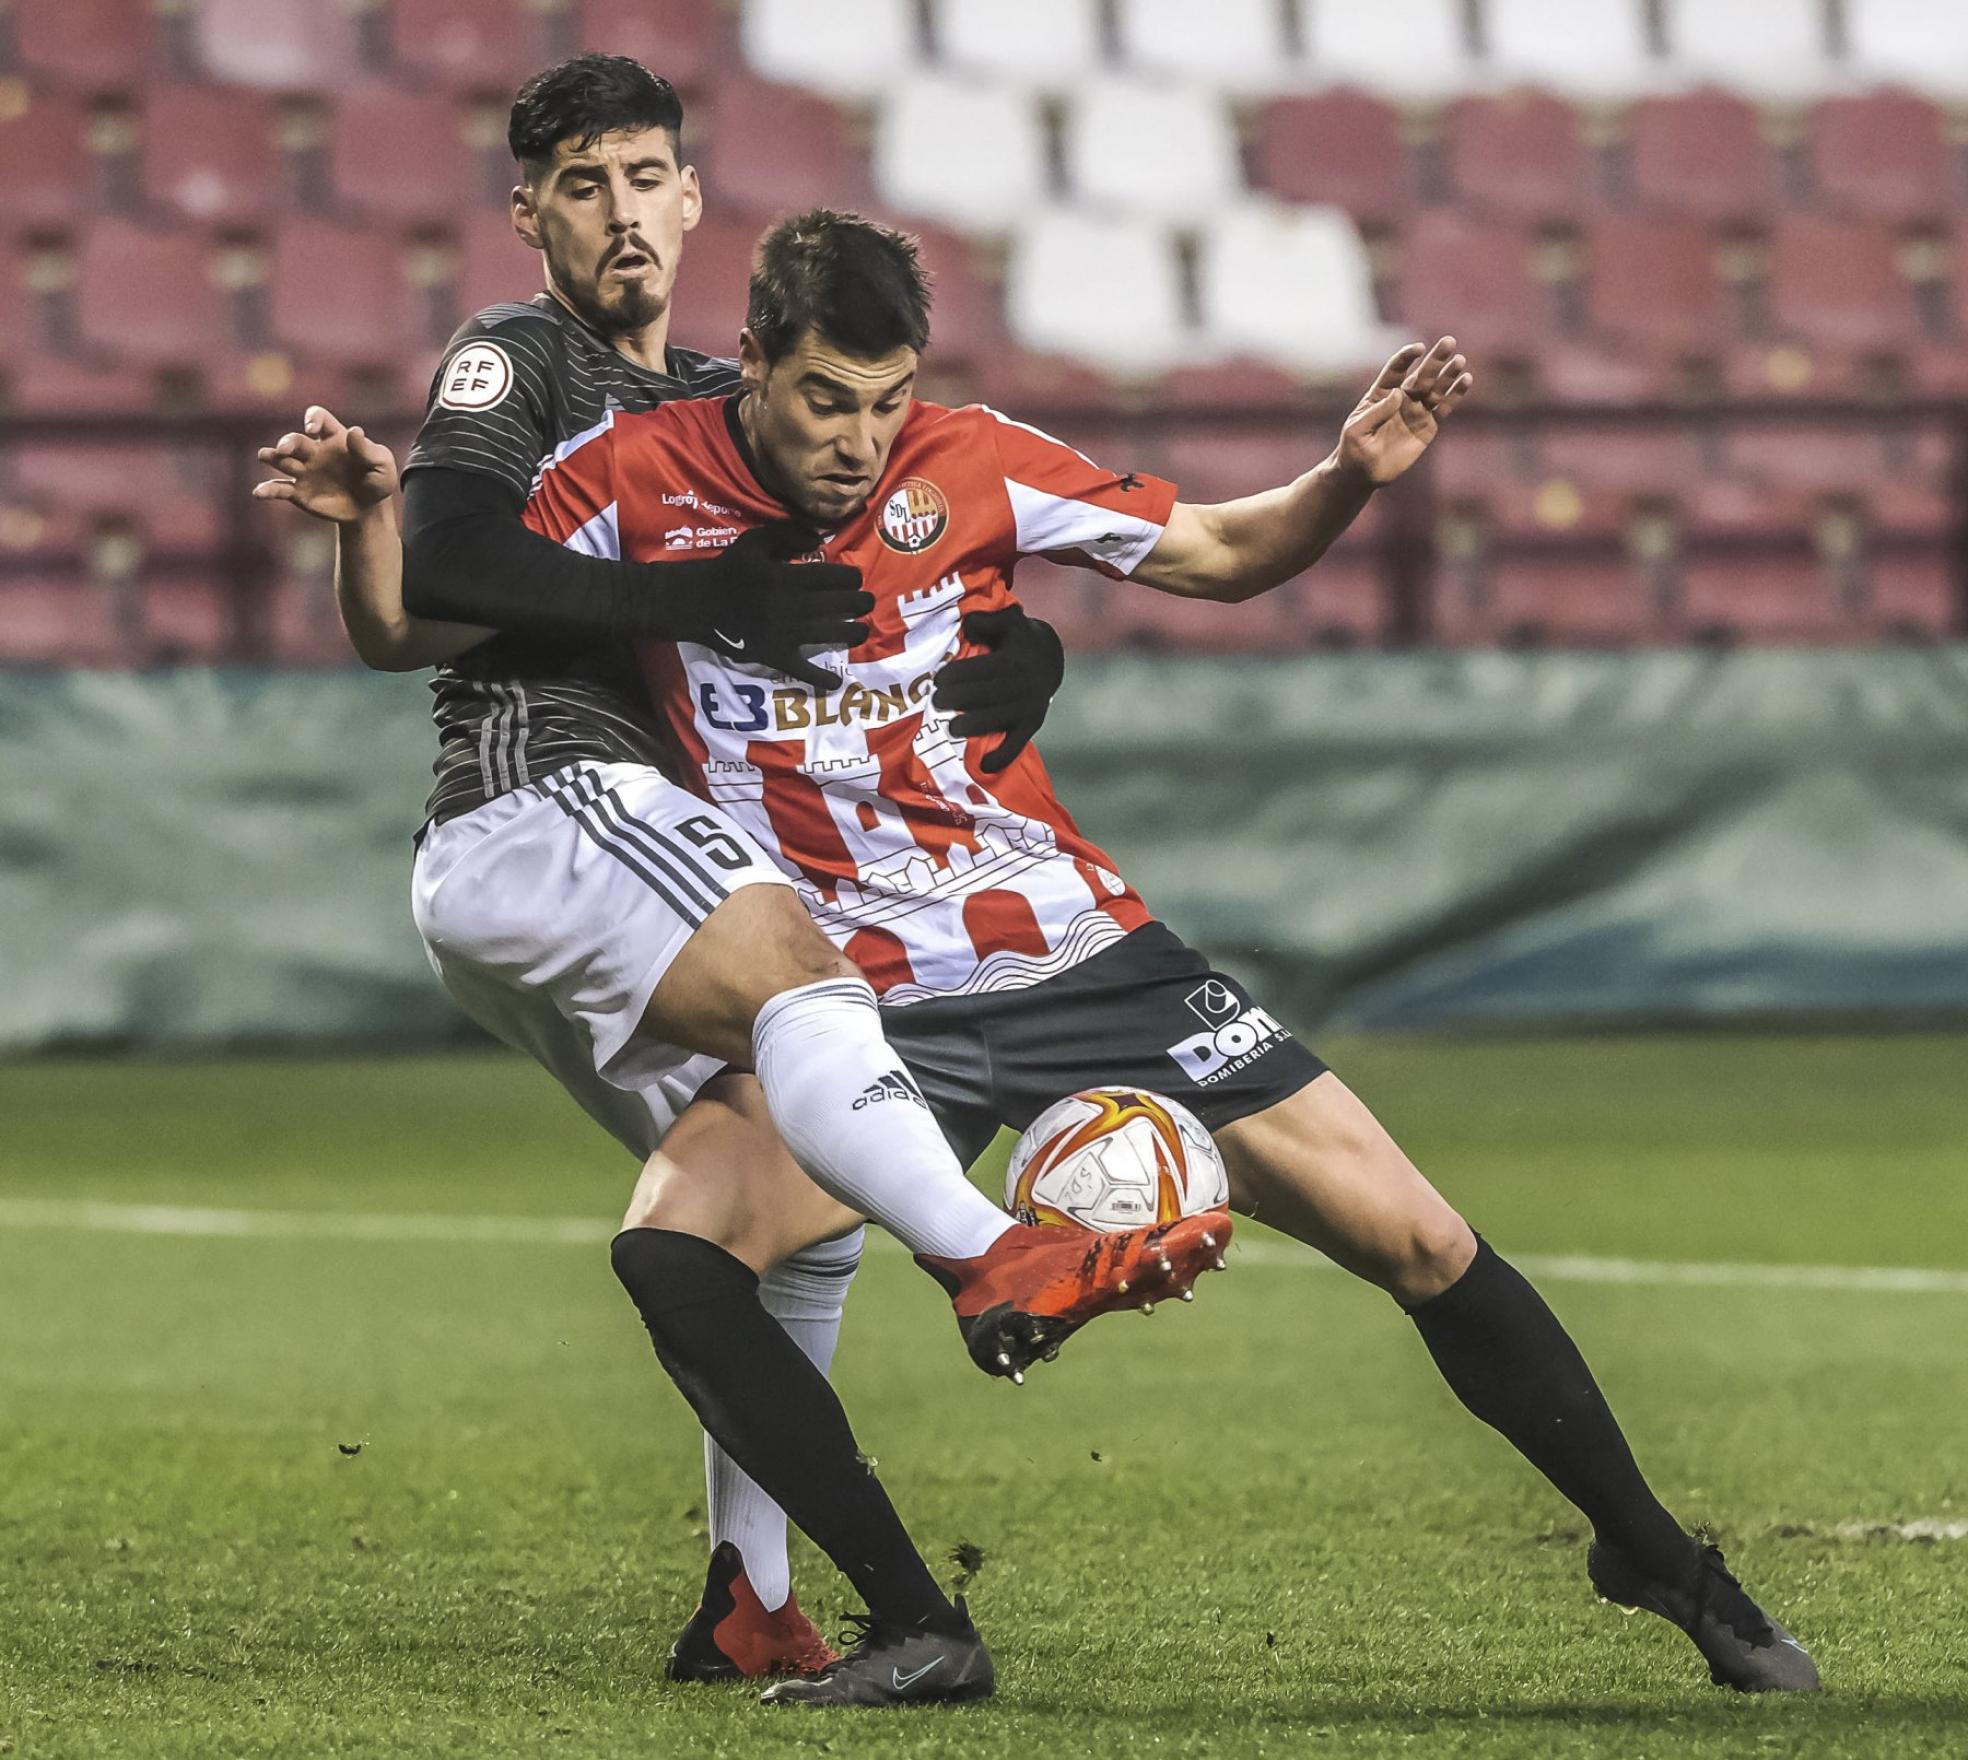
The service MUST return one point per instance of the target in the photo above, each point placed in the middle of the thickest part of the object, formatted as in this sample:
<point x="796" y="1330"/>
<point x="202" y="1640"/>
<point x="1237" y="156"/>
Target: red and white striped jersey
<point x="934" y="878"/>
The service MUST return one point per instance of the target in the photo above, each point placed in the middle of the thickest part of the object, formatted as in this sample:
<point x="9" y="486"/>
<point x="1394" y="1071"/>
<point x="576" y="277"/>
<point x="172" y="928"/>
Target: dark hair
<point x="586" y="98"/>
<point x="860" y="285"/>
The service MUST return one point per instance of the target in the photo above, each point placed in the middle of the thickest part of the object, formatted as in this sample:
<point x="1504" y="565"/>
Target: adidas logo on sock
<point x="889" y="1088"/>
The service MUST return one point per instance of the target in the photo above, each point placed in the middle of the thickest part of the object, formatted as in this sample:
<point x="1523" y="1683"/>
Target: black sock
<point x="774" y="1413"/>
<point x="1510" y="1362"/>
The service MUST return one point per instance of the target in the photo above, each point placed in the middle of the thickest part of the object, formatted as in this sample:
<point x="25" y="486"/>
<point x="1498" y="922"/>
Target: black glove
<point x="752" y="602"/>
<point x="1009" y="689"/>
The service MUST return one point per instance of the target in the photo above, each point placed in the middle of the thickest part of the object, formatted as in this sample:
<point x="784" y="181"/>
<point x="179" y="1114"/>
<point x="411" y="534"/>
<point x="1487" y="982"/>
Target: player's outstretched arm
<point x="339" y="474"/>
<point x="1238" y="549"/>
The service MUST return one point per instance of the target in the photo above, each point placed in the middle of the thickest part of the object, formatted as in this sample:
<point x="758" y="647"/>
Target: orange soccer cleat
<point x="734" y="1636"/>
<point x="1033" y="1288"/>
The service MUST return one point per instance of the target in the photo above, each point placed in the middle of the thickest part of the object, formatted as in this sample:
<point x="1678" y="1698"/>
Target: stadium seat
<point x="1883" y="155"/>
<point x="1702" y="154"/>
<point x="1909" y="42"/>
<point x="337" y="294"/>
<point x="1407" y="48"/>
<point x="208" y="154"/>
<point x="1645" y="458"/>
<point x="185" y="621"/>
<point x="49" y="384"/>
<point x="1292" y="286"/>
<point x="1222" y="461"/>
<point x="967" y="321"/>
<point x="170" y="493"/>
<point x="1472" y="279"/>
<point x="852" y="49"/>
<point x="1770" y="48"/>
<point x="1838" y="282"/>
<point x="1343" y="602"/>
<point x="1568" y="601"/>
<point x="49" y="180"/>
<point x="1347" y="148"/>
<point x="1590" y="48"/>
<point x="1162" y="150"/>
<point x="149" y="297"/>
<point x="1519" y="154"/>
<point x="1243" y="50"/>
<point x="1103" y="290"/>
<point x="1047" y="45"/>
<point x="87" y="45"/>
<point x="488" y="46"/>
<point x="683" y="40"/>
<point x="1749" y="599"/>
<point x="1816" y="455"/>
<point x="926" y="159"/>
<point x="780" y="149"/>
<point x="59" y="621"/>
<point x="1651" y="279"/>
<point x="277" y="45"/>
<point x="711" y="292"/>
<point x="377" y="132"/>
<point x="494" y="266"/>
<point x="1918" y="597"/>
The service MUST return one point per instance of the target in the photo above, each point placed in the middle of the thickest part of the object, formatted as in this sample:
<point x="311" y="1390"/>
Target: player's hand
<point x="1007" y="689"/>
<point x="332" y="472"/>
<point x="1403" y="410"/>
<point x="763" y="607"/>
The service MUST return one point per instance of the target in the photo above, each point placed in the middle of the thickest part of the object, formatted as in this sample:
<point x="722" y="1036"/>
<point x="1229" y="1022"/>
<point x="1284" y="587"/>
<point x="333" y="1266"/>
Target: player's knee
<point x="1435" y="1249"/>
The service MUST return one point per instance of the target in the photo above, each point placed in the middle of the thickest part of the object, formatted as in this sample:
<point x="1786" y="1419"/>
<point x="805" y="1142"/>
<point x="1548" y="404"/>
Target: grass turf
<point x="1258" y="1526"/>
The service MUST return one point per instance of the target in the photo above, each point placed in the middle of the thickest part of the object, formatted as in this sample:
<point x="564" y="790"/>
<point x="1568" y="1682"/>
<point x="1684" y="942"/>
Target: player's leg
<point x="1319" y="1166"/>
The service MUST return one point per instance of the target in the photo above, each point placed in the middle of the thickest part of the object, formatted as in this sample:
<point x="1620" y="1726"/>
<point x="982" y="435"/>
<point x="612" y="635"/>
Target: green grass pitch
<point x="1255" y="1526"/>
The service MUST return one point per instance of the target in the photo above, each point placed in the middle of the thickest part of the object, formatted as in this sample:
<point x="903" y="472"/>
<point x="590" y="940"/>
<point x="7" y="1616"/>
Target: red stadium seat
<point x="1472" y="279"/>
<point x="185" y="620"/>
<point x="1342" y="147"/>
<point x="1702" y="154"/>
<point x="1919" y="596"/>
<point x="401" y="157"/>
<point x="966" y="323"/>
<point x="1589" y="371"/>
<point x="1519" y="154"/>
<point x="1838" y="282"/>
<point x="1652" y="281"/>
<point x="1747" y="599"/>
<point x="495" y="266"/>
<point x="169" y="493"/>
<point x="487" y="46"/>
<point x="1162" y="623"/>
<point x="1563" y="602"/>
<point x="45" y="383"/>
<point x="20" y="339"/>
<point x="278" y="45"/>
<point x="1828" y="456"/>
<point x="781" y="149"/>
<point x="208" y="154"/>
<point x="1558" y="505"/>
<point x="150" y="297"/>
<point x="87" y="45"/>
<point x="1883" y="155"/>
<point x="60" y="621"/>
<point x="711" y="288"/>
<point x="1212" y="463"/>
<point x="50" y="181"/>
<point x="338" y="294"/>
<point x="683" y="40"/>
<point x="1342" y="603"/>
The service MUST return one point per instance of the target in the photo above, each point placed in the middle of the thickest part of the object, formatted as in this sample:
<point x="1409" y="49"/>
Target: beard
<point x="627" y="306"/>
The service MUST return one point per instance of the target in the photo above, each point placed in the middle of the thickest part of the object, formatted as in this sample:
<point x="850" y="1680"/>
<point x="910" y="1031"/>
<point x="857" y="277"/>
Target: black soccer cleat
<point x="1743" y="1646"/>
<point x="897" y="1665"/>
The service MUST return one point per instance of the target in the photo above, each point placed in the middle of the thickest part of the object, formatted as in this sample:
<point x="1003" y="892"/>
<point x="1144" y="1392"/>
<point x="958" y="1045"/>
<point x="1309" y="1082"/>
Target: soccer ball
<point x="1112" y="1159"/>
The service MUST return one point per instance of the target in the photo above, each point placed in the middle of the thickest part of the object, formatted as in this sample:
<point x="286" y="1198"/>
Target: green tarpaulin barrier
<point x="201" y="858"/>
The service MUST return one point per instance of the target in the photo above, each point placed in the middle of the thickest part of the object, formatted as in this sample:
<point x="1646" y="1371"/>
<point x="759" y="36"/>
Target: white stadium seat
<point x="1413" y="48"/>
<point x="1151" y="147"/>
<point x="1765" y="48"/>
<point x="850" y="49"/>
<point x="1916" y="43"/>
<point x="1050" y="45"/>
<point x="1242" y="49"/>
<point x="1292" y="286"/>
<point x="1100" y="289"/>
<point x="1590" y="48"/>
<point x="950" y="149"/>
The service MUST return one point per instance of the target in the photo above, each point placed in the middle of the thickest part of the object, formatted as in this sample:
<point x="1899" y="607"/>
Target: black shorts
<point x="1147" y="1012"/>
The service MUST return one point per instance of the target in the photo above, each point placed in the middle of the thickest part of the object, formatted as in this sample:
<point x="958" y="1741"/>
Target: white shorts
<point x="552" y="913"/>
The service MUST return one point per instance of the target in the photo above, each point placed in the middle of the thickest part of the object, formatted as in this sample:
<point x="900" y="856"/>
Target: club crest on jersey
<point x="476" y="377"/>
<point x="913" y="516"/>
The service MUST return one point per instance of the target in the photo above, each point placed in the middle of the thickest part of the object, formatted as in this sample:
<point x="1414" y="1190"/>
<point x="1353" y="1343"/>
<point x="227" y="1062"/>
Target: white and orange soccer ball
<point x="1112" y="1159"/>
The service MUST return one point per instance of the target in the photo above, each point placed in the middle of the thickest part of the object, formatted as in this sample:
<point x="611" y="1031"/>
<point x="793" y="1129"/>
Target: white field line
<point x="583" y="1231"/>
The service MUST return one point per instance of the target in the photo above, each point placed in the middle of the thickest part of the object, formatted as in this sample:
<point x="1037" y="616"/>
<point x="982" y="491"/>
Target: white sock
<point x="851" y="1116"/>
<point x="804" y="1294"/>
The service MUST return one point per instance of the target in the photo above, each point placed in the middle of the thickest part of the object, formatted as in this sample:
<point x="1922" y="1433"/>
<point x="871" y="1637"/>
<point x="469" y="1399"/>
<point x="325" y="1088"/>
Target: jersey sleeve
<point x="573" y="498"/>
<point x="491" y="404"/>
<point x="1069" y="509"/>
